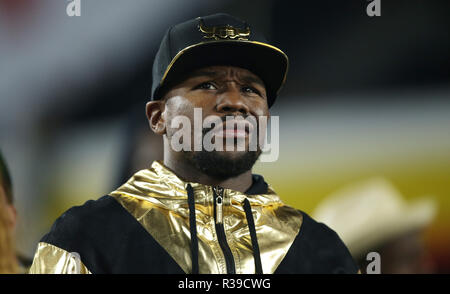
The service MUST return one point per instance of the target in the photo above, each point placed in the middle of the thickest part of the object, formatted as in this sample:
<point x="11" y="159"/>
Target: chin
<point x="232" y="155"/>
<point x="225" y="164"/>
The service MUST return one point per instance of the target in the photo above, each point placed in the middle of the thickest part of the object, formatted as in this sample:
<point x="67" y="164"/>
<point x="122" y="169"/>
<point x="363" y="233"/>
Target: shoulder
<point x="89" y="209"/>
<point x="319" y="233"/>
<point x="107" y="239"/>
<point x="326" y="246"/>
<point x="318" y="249"/>
<point x="79" y="232"/>
<point x="82" y="222"/>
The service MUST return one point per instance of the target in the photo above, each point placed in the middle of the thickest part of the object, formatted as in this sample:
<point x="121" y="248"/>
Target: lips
<point x="233" y="129"/>
<point x="233" y="133"/>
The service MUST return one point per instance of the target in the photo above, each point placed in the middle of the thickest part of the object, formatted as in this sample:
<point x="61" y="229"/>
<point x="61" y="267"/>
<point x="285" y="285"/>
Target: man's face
<point x="220" y="91"/>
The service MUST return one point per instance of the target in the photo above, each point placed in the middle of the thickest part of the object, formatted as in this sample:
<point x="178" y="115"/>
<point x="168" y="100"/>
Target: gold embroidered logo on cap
<point x="224" y="32"/>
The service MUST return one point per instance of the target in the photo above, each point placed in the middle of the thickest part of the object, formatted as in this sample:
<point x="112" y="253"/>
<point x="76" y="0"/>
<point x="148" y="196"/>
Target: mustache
<point x="223" y="120"/>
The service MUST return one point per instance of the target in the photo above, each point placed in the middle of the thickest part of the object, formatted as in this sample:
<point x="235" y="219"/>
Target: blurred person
<point x="8" y="260"/>
<point x="372" y="216"/>
<point x="199" y="211"/>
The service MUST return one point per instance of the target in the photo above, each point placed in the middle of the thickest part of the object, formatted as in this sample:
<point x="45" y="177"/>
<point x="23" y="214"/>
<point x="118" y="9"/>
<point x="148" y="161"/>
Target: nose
<point x="231" y="101"/>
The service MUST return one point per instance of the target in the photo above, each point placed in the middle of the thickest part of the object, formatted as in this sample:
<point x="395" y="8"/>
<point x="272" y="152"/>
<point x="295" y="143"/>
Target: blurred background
<point x="365" y="97"/>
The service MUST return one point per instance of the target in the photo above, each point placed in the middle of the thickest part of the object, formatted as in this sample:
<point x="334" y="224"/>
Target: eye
<point x="206" y="86"/>
<point x="250" y="90"/>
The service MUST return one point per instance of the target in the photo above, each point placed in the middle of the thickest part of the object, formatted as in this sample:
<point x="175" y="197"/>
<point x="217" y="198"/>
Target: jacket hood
<point x="182" y="217"/>
<point x="160" y="186"/>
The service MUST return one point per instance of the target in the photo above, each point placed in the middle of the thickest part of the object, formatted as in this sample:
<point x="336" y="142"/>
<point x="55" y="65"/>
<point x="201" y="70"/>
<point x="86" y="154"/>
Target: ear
<point x="154" y="111"/>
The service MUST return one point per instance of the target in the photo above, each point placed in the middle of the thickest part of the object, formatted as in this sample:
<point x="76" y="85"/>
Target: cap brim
<point x="269" y="63"/>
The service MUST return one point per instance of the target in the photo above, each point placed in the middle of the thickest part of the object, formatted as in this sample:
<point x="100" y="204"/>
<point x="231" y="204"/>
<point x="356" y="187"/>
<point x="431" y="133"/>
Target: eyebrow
<point x="203" y="73"/>
<point x="214" y="74"/>
<point x="251" y="80"/>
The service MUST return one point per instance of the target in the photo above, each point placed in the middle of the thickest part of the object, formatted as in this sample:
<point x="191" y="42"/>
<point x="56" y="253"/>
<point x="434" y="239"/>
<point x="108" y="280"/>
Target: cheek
<point x="177" y="109"/>
<point x="263" y="121"/>
<point x="178" y="105"/>
<point x="259" y="107"/>
<point x="261" y="110"/>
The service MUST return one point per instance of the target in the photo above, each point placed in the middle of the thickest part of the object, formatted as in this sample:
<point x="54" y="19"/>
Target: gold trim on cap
<point x="181" y="52"/>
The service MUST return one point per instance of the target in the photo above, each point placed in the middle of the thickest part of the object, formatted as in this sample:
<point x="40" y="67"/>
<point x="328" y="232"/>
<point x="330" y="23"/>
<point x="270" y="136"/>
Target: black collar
<point x="259" y="186"/>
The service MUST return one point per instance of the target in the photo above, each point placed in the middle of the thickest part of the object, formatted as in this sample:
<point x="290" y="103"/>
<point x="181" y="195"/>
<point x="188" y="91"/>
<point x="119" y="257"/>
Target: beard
<point x="223" y="164"/>
<point x="220" y="165"/>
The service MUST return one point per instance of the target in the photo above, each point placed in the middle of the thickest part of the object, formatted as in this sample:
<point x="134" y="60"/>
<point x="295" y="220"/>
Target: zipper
<point x="219" y="205"/>
<point x="220" y="230"/>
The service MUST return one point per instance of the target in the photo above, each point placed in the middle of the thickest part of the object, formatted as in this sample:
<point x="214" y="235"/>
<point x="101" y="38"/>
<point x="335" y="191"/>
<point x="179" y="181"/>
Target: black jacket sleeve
<point x="317" y="249"/>
<point x="109" y="240"/>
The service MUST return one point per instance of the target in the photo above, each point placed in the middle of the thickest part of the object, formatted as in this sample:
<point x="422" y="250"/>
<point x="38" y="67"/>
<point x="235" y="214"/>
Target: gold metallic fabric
<point x="50" y="259"/>
<point x="157" y="198"/>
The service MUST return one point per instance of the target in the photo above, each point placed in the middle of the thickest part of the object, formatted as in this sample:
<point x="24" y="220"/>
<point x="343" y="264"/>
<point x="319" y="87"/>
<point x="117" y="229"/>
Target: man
<point x="199" y="211"/>
<point x="10" y="260"/>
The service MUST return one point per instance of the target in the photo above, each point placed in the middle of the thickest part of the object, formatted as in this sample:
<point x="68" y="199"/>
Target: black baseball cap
<point x="218" y="39"/>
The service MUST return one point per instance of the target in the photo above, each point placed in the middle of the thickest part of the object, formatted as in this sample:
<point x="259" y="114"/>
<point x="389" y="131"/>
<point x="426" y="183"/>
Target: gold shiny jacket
<point x="158" y="223"/>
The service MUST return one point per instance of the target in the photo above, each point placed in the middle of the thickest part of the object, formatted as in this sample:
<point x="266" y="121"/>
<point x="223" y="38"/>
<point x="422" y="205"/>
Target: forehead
<point x="222" y="71"/>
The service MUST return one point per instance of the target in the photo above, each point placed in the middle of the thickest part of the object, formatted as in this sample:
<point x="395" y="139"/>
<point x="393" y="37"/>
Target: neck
<point x="187" y="172"/>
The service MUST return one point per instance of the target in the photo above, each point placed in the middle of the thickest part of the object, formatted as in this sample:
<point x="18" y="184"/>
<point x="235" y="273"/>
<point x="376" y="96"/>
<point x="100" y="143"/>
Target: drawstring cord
<point x="193" y="229"/>
<point x="194" y="238"/>
<point x="251" y="227"/>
